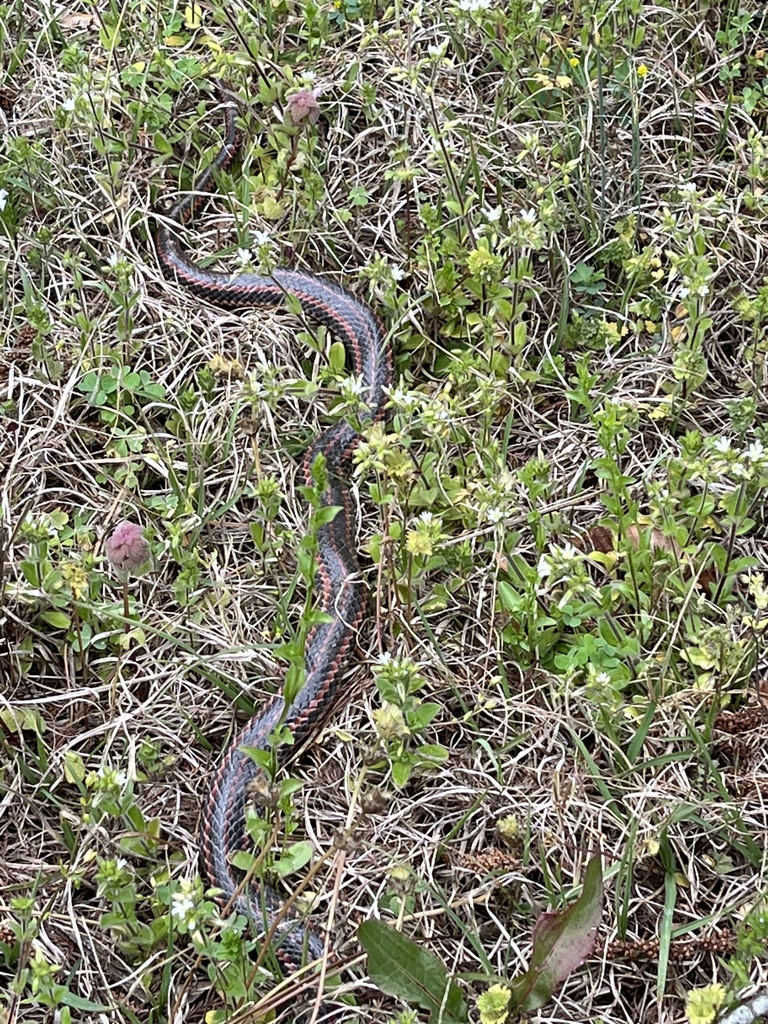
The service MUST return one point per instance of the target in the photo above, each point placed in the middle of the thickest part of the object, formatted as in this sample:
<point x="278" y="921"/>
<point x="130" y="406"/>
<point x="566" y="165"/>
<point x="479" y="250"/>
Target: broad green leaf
<point x="59" y="620"/>
<point x="402" y="968"/>
<point x="26" y="719"/>
<point x="422" y="715"/>
<point x="135" y="817"/>
<point x="31" y="574"/>
<point x="295" y="857"/>
<point x="316" y="617"/>
<point x="263" y="758"/>
<point x="242" y="860"/>
<point x="327" y="514"/>
<point x="561" y="943"/>
<point x="271" y="208"/>
<point x="432" y="751"/>
<point x="79" y="1003"/>
<point x="162" y="144"/>
<point x="74" y="767"/>
<point x="511" y="599"/>
<point x="401" y="772"/>
<point x="306" y="563"/>
<point x="337" y="357"/>
<point x="289" y="786"/>
<point x="519" y="335"/>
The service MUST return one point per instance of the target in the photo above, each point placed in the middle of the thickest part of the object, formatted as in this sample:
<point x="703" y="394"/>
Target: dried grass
<point x="512" y="753"/>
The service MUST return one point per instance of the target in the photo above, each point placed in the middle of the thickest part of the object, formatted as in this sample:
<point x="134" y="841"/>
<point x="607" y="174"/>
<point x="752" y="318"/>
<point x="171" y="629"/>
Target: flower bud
<point x="127" y="548"/>
<point x="302" y="106"/>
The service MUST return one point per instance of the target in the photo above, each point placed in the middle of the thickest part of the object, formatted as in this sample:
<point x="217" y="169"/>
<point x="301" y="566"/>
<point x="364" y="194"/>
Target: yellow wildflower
<point x="77" y="578"/>
<point x="418" y="543"/>
<point x="702" y="1004"/>
<point x="493" y="1004"/>
<point x="482" y="263"/>
<point x="390" y="722"/>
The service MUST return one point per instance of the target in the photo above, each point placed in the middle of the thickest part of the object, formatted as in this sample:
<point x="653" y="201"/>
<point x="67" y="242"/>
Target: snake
<point x="340" y="590"/>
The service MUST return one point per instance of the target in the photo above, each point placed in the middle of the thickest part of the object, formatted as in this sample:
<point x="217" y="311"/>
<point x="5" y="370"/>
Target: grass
<point x="559" y="213"/>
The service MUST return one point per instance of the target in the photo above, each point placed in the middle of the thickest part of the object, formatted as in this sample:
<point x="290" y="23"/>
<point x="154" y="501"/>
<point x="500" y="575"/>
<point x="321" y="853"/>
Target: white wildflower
<point x="441" y="414"/>
<point x="403" y="399"/>
<point x="570" y="553"/>
<point x="439" y="50"/>
<point x="184" y="902"/>
<point x="183" y="906"/>
<point x="354" y="387"/>
<point x="544" y="568"/>
<point x="114" y="776"/>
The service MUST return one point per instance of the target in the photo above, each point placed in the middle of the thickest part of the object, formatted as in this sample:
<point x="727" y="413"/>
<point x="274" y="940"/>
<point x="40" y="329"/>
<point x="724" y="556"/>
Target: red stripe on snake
<point x="223" y="830"/>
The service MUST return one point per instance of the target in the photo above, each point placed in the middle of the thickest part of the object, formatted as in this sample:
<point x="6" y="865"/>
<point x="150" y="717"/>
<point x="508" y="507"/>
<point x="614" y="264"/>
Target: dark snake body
<point x="341" y="592"/>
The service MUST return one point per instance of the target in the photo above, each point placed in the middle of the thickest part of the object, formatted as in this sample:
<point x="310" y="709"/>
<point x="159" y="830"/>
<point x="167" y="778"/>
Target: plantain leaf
<point x="561" y="943"/>
<point x="402" y="968"/>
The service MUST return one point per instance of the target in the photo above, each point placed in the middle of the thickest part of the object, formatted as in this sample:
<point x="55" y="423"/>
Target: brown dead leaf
<point x="601" y="539"/>
<point x="635" y="534"/>
<point x="77" y="21"/>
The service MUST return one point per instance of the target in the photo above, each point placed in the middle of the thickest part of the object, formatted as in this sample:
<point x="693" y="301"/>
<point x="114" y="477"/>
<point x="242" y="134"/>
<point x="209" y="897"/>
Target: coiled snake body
<point x="341" y="592"/>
